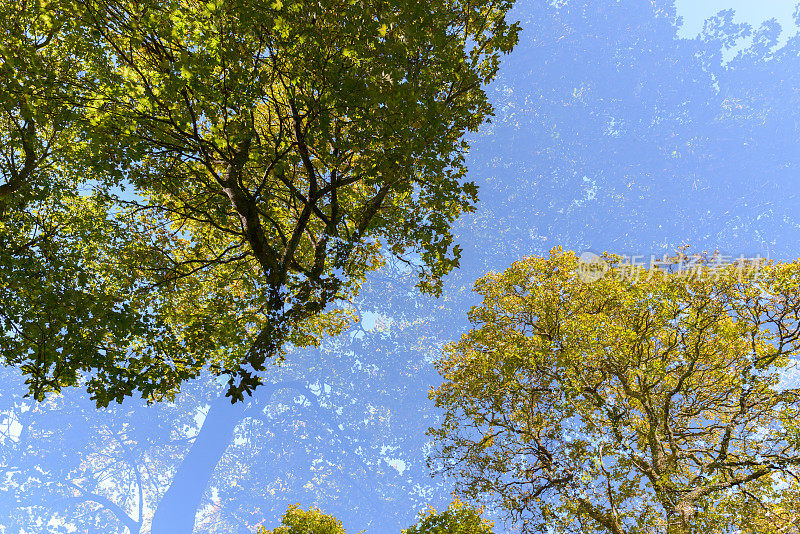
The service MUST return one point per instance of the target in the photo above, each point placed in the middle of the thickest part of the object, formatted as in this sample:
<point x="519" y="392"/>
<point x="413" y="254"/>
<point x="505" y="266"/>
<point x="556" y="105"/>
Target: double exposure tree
<point x="604" y="115"/>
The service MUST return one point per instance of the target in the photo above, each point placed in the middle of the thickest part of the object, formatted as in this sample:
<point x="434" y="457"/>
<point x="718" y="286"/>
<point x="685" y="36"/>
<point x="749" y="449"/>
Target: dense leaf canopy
<point x="214" y="179"/>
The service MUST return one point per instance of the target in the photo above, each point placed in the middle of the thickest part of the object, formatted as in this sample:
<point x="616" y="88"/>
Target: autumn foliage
<point x="649" y="400"/>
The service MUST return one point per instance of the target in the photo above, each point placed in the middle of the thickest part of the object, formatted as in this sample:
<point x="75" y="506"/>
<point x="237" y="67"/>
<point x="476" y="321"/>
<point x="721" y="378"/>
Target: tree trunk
<point x="177" y="509"/>
<point x="681" y="519"/>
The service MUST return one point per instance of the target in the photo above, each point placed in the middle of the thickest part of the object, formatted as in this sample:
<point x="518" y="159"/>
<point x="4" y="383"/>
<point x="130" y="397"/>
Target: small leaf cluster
<point x="458" y="518"/>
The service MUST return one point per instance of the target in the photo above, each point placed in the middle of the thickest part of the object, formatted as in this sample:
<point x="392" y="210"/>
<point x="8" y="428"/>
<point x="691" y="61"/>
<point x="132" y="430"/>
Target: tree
<point x="312" y="521"/>
<point x="281" y="143"/>
<point x="269" y="149"/>
<point x="459" y="518"/>
<point x="647" y="401"/>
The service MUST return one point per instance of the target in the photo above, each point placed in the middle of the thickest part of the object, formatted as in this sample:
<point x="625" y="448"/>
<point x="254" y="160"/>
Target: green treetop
<point x="272" y="154"/>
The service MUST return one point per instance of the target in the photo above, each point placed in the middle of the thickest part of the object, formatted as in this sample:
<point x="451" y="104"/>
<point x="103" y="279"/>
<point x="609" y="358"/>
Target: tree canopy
<point x="650" y="400"/>
<point x="217" y="177"/>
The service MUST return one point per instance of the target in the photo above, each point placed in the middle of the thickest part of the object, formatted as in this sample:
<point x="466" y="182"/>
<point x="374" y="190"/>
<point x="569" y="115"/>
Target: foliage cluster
<point x="458" y="518"/>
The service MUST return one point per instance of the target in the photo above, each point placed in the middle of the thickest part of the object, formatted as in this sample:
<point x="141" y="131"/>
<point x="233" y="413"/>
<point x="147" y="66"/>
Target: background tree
<point x="637" y="403"/>
<point x="68" y="465"/>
